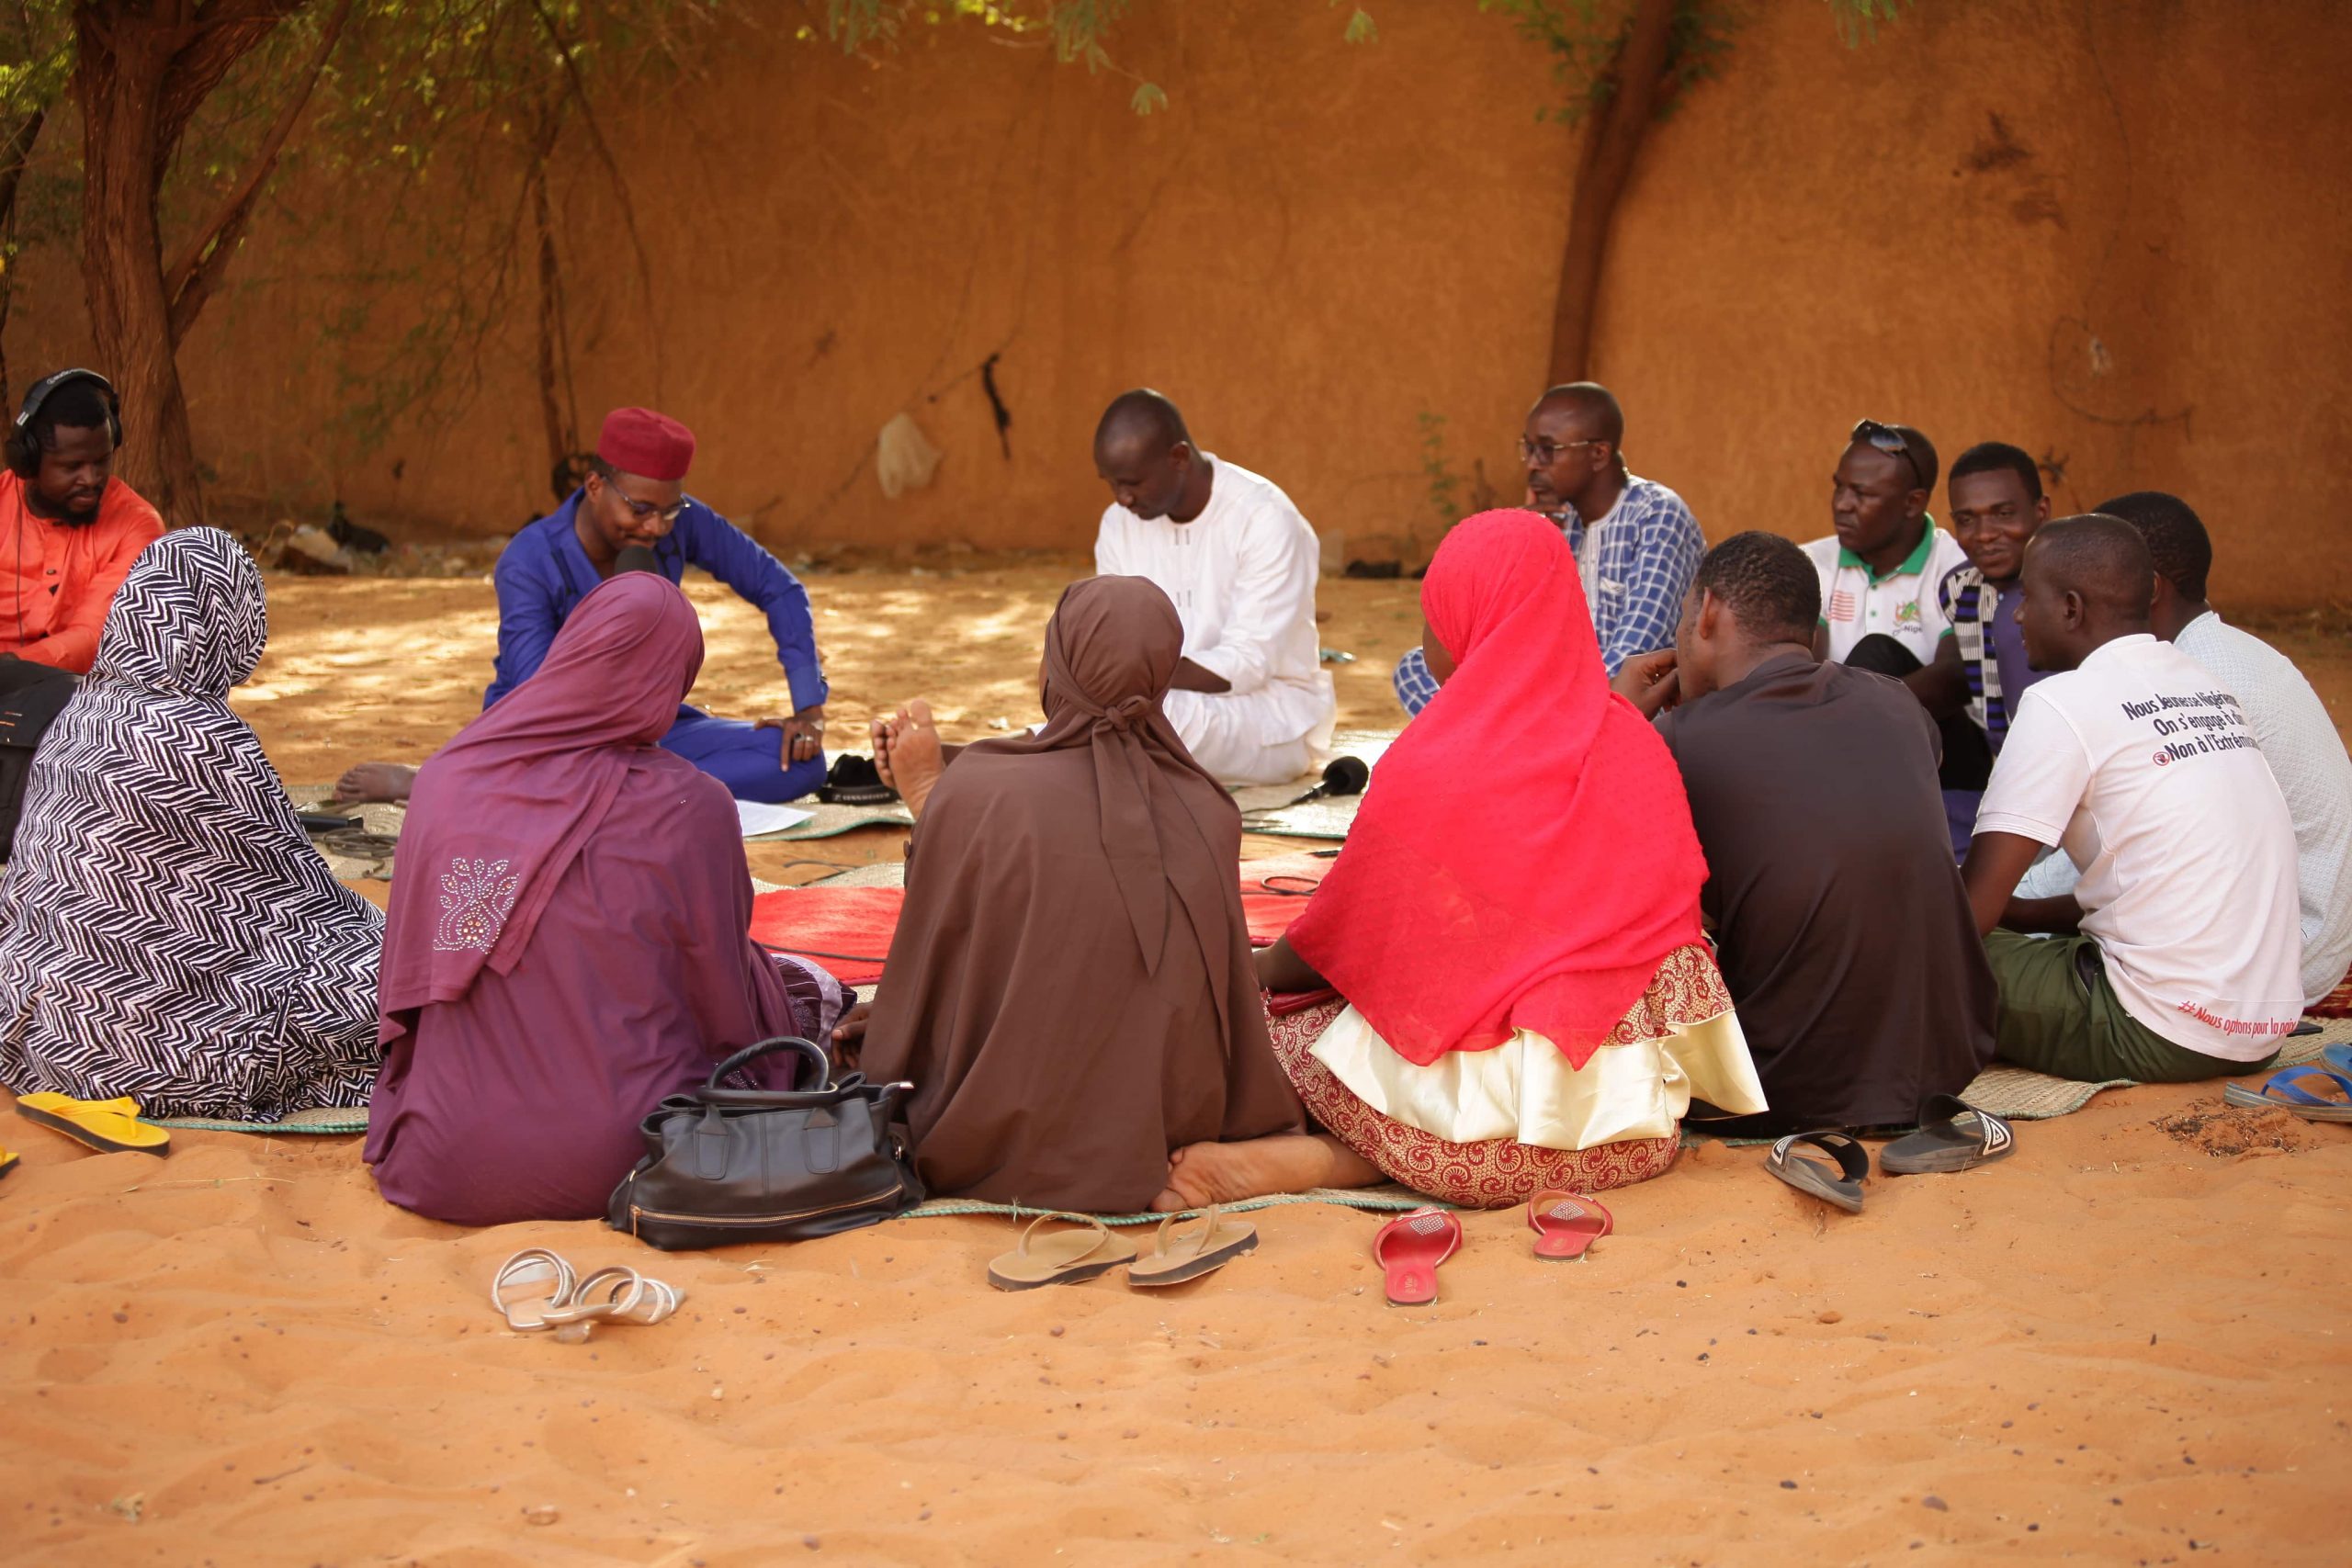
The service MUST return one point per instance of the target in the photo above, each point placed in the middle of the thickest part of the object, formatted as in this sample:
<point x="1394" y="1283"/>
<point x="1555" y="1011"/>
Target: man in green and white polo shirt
<point x="1880" y="610"/>
<point x="1881" y="569"/>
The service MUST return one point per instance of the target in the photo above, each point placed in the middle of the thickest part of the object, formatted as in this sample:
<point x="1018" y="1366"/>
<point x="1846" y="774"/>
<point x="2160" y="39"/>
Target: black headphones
<point x="23" y="452"/>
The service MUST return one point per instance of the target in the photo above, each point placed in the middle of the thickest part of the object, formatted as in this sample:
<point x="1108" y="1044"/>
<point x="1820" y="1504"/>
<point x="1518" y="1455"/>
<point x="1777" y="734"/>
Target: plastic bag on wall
<point x="903" y="459"/>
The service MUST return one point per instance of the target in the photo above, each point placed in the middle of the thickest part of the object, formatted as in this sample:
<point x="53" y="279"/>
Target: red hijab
<point x="499" y="814"/>
<point x="1524" y="857"/>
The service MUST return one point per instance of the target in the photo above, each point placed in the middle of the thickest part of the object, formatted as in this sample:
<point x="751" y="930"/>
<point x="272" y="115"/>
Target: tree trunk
<point x="119" y="80"/>
<point x="141" y="72"/>
<point x="562" y="440"/>
<point x="15" y="152"/>
<point x="1613" y="136"/>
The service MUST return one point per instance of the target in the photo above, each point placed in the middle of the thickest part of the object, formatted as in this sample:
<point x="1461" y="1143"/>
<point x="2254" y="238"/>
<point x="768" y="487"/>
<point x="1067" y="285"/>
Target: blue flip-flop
<point x="2277" y="1092"/>
<point x="2338" y="1058"/>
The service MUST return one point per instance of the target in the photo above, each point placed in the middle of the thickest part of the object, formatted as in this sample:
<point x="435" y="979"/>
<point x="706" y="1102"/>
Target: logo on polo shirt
<point x="1843" y="606"/>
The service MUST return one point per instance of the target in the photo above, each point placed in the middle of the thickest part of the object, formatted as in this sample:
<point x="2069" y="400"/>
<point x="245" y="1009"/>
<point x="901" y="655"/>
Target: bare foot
<point x="1199" y="1174"/>
<point x="915" y="758"/>
<point x="374" y="781"/>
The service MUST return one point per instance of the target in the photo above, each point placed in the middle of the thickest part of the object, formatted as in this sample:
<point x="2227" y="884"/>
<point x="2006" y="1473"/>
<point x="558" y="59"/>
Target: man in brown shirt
<point x="1842" y="928"/>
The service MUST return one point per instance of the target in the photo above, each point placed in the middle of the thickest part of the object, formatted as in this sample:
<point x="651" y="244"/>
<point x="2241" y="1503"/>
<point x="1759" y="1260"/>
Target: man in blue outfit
<point x="632" y="513"/>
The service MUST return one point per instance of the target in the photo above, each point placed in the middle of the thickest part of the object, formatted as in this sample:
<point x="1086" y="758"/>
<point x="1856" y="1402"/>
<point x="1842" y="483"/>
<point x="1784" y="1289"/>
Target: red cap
<point x="649" y="444"/>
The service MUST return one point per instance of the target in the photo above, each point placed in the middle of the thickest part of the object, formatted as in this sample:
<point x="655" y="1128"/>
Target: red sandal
<point x="1409" y="1250"/>
<point x="1566" y="1225"/>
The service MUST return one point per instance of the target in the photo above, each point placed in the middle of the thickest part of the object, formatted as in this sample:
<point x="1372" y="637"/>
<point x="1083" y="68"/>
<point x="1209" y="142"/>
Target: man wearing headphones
<point x="69" y="530"/>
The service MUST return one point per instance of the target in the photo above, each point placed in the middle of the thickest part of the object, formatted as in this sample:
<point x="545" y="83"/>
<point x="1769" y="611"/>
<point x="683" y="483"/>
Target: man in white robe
<point x="1251" y="700"/>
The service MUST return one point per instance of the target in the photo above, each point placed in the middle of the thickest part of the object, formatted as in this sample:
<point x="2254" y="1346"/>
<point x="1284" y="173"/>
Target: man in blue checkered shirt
<point x="1637" y="558"/>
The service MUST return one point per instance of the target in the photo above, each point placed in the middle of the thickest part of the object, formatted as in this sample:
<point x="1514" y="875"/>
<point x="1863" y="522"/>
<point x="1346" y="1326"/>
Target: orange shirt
<point x="58" y="580"/>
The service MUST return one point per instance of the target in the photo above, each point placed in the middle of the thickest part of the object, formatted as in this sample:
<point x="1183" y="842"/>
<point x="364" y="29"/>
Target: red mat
<point x="848" y="930"/>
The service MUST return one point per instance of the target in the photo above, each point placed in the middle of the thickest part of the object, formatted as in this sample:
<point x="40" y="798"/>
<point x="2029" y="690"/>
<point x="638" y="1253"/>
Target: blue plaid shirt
<point x="1647" y="551"/>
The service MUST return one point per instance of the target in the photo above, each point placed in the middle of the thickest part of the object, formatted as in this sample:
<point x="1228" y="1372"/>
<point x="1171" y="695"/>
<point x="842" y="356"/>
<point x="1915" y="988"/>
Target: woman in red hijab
<point x="567" y="942"/>
<point x="1513" y="925"/>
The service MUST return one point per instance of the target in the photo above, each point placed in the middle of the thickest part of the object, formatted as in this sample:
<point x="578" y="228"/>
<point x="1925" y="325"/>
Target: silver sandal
<point x="531" y="1288"/>
<point x="616" y="1294"/>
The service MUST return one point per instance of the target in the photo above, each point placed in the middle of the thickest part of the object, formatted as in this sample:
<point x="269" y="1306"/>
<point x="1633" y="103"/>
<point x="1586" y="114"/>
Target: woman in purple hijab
<point x="565" y="943"/>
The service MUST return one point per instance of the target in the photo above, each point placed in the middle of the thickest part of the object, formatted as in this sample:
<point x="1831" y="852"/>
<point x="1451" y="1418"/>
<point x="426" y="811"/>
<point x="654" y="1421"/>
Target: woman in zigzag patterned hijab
<point x="166" y="930"/>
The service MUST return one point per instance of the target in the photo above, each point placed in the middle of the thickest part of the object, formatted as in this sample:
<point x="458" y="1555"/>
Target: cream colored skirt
<point x="1681" y="1041"/>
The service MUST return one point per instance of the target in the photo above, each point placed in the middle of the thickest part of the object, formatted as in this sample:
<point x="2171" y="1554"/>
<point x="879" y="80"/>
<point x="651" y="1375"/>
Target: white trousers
<point x="1227" y="735"/>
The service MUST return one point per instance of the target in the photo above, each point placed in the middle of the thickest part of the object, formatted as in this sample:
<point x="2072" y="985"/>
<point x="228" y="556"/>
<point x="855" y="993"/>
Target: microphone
<point x="1345" y="775"/>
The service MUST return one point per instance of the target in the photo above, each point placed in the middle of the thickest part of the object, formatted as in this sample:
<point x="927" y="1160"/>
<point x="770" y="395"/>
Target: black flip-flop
<point x="1952" y="1135"/>
<point x="1842" y="1187"/>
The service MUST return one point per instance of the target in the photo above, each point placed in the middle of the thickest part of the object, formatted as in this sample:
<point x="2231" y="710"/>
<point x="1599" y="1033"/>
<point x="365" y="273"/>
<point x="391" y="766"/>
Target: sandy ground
<point x="2126" y="1344"/>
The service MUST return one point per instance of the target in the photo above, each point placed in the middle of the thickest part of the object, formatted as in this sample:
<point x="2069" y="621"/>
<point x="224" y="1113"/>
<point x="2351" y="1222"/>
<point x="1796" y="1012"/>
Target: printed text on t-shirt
<point x="2207" y="722"/>
<point x="2259" y="1028"/>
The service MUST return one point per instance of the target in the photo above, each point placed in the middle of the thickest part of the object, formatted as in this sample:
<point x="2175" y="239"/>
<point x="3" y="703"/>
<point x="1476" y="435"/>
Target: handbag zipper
<point x="636" y="1213"/>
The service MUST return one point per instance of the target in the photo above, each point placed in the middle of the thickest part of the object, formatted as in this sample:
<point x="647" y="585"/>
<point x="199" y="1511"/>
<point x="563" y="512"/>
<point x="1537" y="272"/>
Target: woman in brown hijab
<point x="1071" y="989"/>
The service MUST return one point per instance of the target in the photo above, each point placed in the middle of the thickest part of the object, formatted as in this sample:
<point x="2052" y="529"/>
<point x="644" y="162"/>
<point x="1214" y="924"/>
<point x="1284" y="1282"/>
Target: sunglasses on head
<point x="1889" y="440"/>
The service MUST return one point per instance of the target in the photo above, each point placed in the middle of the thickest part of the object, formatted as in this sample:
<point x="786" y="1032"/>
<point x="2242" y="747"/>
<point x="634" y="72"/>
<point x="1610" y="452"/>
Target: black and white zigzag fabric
<point x="167" y="931"/>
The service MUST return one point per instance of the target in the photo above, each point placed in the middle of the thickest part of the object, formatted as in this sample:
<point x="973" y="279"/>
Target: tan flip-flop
<point x="1064" y="1257"/>
<point x="1178" y="1258"/>
<point x="110" y="1126"/>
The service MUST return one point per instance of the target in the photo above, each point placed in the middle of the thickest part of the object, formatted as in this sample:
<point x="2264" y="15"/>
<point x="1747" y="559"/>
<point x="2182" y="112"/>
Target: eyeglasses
<point x="1547" y="450"/>
<point x="644" y="511"/>
<point x="1889" y="440"/>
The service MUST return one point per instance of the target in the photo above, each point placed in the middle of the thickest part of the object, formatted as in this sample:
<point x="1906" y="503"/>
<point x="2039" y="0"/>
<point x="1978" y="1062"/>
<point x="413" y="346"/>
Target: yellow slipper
<point x="110" y="1126"/>
<point x="8" y="1161"/>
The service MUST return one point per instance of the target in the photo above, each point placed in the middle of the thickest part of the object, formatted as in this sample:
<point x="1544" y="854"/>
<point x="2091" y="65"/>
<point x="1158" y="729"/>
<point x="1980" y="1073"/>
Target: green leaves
<point x="36" y="56"/>
<point x="1858" y="20"/>
<point x="1079" y="27"/>
<point x="1147" y="98"/>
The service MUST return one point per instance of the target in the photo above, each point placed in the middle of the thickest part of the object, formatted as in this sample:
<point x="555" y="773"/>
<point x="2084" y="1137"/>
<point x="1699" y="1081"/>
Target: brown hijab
<point x="1069" y="989"/>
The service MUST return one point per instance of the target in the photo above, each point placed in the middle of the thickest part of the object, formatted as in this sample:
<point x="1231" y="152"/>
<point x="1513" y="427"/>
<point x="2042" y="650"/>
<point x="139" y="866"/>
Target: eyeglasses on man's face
<point x="1546" y="451"/>
<point x="648" y="510"/>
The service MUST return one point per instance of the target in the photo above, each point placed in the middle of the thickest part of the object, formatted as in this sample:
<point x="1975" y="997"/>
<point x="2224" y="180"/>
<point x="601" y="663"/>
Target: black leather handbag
<point x="732" y="1165"/>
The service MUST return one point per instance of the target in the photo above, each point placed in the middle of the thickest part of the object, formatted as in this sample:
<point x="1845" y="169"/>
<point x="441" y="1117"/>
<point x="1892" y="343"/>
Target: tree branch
<point x="579" y="92"/>
<point x="209" y="38"/>
<point x="15" y="152"/>
<point x="1643" y="63"/>
<point x="190" y="280"/>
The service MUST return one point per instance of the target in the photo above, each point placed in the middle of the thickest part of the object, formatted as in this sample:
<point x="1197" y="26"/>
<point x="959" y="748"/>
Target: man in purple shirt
<point x="1996" y="506"/>
<point x="632" y="513"/>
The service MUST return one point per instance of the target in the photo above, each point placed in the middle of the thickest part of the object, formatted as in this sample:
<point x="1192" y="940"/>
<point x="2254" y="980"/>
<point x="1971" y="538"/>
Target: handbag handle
<point x="815" y="1054"/>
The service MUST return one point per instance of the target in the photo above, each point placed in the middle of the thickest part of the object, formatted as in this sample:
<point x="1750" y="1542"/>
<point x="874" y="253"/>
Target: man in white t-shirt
<point x="1880" y="572"/>
<point x="2183" y="951"/>
<point x="1250" y="699"/>
<point x="2298" y="739"/>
